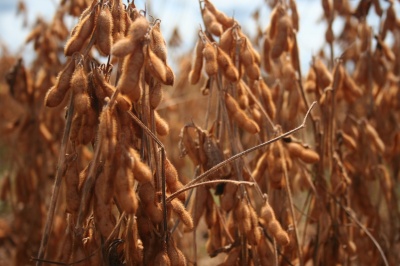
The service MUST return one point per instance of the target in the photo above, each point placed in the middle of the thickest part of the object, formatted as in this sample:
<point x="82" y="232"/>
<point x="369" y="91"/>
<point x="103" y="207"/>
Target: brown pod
<point x="261" y="166"/>
<point x="124" y="191"/>
<point x="175" y="187"/>
<point x="282" y="238"/>
<point x="170" y="76"/>
<point x="253" y="71"/>
<point x="82" y="32"/>
<point x="73" y="198"/>
<point x="266" y="95"/>
<point x="123" y="47"/>
<point x="195" y="72"/>
<point x="162" y="126"/>
<point x="102" y="209"/>
<point x="226" y="41"/>
<point x="130" y="78"/>
<point x="155" y="212"/>
<point x="267" y="45"/>
<point x="228" y="199"/>
<point x="310" y="84"/>
<point x="246" y="40"/>
<point x="171" y="175"/>
<point x="242" y="94"/>
<point x="175" y="255"/>
<point x="156" y="95"/>
<point x="87" y="130"/>
<point x="374" y="137"/>
<point x="221" y="17"/>
<point x="146" y="193"/>
<point x="267" y="213"/>
<point x="118" y="17"/>
<point x="246" y="56"/>
<point x="329" y="36"/>
<point x="309" y="156"/>
<point x="199" y="204"/>
<point x="104" y="27"/>
<point x="108" y="131"/>
<point x="324" y="76"/>
<point x="274" y="227"/>
<point x="349" y="141"/>
<point x="182" y="213"/>
<point x="255" y="234"/>
<point x="211" y="23"/>
<point x="77" y="121"/>
<point x="141" y="171"/>
<point x="210" y="56"/>
<point x="350" y="86"/>
<point x="226" y="64"/>
<point x="242" y="216"/>
<point x="282" y="38"/>
<point x="210" y="216"/>
<point x="295" y="149"/>
<point x="157" y="42"/>
<point x="240" y="116"/>
<point x="162" y="259"/>
<point x="138" y="29"/>
<point x="107" y="90"/>
<point x="276" y="14"/>
<point x="156" y="67"/>
<point x="79" y="84"/>
<point x="56" y="94"/>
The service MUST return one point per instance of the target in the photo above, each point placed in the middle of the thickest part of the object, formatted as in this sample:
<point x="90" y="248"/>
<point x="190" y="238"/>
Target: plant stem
<point x="61" y="167"/>
<point x="239" y="155"/>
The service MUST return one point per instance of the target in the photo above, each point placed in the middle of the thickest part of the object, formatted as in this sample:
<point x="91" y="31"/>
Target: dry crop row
<point x="274" y="168"/>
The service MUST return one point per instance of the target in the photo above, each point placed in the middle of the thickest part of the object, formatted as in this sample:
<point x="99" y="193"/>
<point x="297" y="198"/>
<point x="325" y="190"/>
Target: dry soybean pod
<point x="240" y="116"/>
<point x="141" y="171"/>
<point x="124" y="191"/>
<point x="182" y="213"/>
<point x="157" y="42"/>
<point x="104" y="28"/>
<point x="79" y="84"/>
<point x="56" y="94"/>
<point x="211" y="23"/>
<point x="129" y="83"/>
<point x="156" y="66"/>
<point x="210" y="56"/>
<point x="82" y="32"/>
<point x="227" y="66"/>
<point x="221" y="17"/>
<point x="281" y="40"/>
<point x="195" y="72"/>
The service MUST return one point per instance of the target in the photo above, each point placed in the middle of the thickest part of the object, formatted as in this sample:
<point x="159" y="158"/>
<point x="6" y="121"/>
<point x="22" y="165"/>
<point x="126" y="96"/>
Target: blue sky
<point x="186" y="14"/>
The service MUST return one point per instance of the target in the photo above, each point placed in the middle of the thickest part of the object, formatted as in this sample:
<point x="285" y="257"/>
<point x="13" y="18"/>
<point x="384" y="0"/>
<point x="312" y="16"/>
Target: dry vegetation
<point x="104" y="163"/>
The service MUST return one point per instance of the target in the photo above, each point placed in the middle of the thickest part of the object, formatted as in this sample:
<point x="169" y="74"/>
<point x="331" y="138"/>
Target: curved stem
<point x="257" y="147"/>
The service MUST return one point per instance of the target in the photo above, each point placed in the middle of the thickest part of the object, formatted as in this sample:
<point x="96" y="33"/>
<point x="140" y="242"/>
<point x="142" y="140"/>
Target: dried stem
<point x="239" y="155"/>
<point x="289" y="194"/>
<point x="185" y="188"/>
<point x="61" y="168"/>
<point x="302" y="90"/>
<point x="163" y="157"/>
<point x="351" y="214"/>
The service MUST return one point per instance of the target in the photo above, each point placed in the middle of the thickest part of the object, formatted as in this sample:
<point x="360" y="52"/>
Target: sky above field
<point x="186" y="15"/>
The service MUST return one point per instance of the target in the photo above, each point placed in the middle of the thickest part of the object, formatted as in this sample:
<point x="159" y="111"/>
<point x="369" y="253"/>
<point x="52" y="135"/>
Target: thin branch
<point x="289" y="194"/>
<point x="61" y="167"/>
<point x="351" y="214"/>
<point x="233" y="158"/>
<point x="175" y="194"/>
